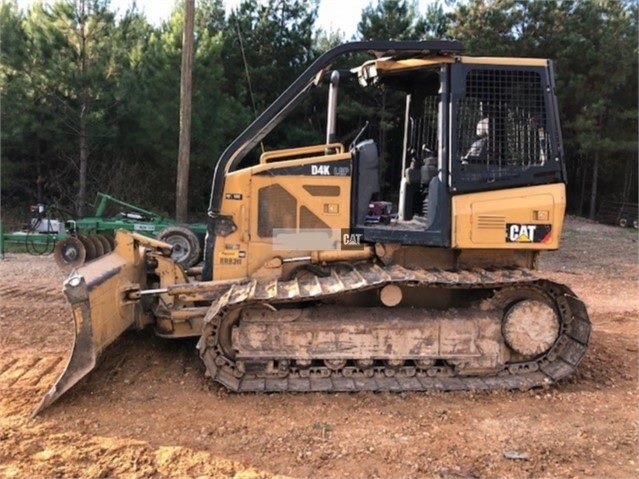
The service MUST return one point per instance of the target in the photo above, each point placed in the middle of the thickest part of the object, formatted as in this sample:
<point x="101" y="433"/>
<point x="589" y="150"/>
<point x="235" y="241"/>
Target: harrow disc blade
<point x="69" y="253"/>
<point x="106" y="246"/>
<point x="89" y="247"/>
<point x="97" y="244"/>
<point x="109" y="237"/>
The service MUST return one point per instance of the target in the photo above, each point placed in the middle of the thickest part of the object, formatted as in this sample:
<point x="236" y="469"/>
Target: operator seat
<point x="478" y="151"/>
<point x="428" y="173"/>
<point x="418" y="177"/>
<point x="367" y="168"/>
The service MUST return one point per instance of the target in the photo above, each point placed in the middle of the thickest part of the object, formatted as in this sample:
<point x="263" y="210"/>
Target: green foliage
<point x="594" y="46"/>
<point x="391" y="20"/>
<point x="74" y="66"/>
<point x="266" y="45"/>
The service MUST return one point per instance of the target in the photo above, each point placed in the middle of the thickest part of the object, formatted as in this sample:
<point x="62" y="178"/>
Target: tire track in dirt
<point x="147" y="410"/>
<point x="23" y="381"/>
<point x="140" y="359"/>
<point x="18" y="292"/>
<point x="7" y="365"/>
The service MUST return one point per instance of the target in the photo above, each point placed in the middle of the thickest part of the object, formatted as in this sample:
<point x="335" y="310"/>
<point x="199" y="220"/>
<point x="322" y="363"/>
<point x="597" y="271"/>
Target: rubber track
<point x="560" y="361"/>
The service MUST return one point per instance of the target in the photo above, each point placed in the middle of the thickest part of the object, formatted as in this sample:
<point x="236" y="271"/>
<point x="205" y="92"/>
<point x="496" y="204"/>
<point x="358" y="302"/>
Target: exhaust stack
<point x="331" y="123"/>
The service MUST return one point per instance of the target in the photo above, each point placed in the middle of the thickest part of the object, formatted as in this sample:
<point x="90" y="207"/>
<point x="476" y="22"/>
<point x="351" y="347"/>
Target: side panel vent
<point x="490" y="222"/>
<point x="308" y="220"/>
<point x="322" y="190"/>
<point x="488" y="229"/>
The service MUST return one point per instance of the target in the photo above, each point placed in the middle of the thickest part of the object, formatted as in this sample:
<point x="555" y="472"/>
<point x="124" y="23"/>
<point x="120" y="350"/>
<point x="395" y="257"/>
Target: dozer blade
<point x="102" y="297"/>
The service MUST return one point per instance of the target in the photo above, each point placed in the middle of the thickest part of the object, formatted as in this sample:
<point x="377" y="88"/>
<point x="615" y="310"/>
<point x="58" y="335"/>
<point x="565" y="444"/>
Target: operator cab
<point x="469" y="125"/>
<point x="452" y="142"/>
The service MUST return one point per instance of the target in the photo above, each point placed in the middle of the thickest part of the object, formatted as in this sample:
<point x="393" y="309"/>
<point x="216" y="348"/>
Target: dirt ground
<point x="148" y="410"/>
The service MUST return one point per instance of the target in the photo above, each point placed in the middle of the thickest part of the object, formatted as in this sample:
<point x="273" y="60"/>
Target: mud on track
<point x="148" y="410"/>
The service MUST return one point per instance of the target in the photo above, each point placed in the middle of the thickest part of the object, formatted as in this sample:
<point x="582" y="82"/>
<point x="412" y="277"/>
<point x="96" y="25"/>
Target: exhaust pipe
<point x="331" y="123"/>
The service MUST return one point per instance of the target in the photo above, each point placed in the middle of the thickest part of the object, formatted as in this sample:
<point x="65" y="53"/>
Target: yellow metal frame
<point x="388" y="64"/>
<point x="243" y="252"/>
<point x="298" y="153"/>
<point x="479" y="219"/>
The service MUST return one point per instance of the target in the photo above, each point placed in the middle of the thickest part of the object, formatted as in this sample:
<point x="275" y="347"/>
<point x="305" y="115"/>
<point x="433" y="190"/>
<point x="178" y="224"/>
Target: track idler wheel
<point x="530" y="327"/>
<point x="69" y="253"/>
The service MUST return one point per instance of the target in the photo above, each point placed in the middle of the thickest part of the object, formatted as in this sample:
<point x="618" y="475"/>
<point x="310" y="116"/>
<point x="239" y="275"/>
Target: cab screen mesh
<point x="501" y="123"/>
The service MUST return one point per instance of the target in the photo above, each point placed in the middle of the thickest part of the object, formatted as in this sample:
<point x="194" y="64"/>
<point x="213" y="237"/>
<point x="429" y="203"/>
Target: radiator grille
<point x="277" y="209"/>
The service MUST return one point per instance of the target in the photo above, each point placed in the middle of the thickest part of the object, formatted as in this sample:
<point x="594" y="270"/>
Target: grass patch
<point x="39" y="246"/>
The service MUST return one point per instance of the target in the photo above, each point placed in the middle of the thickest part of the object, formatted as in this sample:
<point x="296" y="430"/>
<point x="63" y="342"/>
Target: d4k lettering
<point x="320" y="170"/>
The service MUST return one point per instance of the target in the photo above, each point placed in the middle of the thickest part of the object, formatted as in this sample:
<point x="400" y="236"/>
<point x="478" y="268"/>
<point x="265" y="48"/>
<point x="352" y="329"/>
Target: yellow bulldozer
<point x="317" y="278"/>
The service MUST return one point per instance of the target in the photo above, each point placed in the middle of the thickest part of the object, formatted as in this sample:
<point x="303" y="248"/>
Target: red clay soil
<point x="148" y="410"/>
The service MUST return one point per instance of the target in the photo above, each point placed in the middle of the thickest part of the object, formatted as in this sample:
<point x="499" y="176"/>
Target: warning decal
<point x="232" y="257"/>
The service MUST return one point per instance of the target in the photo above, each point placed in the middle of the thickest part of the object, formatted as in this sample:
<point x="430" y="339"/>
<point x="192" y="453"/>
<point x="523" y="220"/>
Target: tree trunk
<point x="627" y="181"/>
<point x="84" y="158"/>
<point x="84" y="109"/>
<point x="40" y="181"/>
<point x="593" y="190"/>
<point x="582" y="195"/>
<point x="182" y="186"/>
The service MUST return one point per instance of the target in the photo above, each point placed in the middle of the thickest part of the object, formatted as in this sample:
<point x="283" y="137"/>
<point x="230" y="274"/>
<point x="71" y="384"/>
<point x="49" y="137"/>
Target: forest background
<point x="88" y="92"/>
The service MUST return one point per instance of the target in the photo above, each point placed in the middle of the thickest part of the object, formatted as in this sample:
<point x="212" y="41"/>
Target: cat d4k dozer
<point x="299" y="292"/>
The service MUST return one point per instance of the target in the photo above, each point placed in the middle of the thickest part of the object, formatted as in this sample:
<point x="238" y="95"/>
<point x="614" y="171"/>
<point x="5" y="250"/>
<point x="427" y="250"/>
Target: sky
<point x="333" y="15"/>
